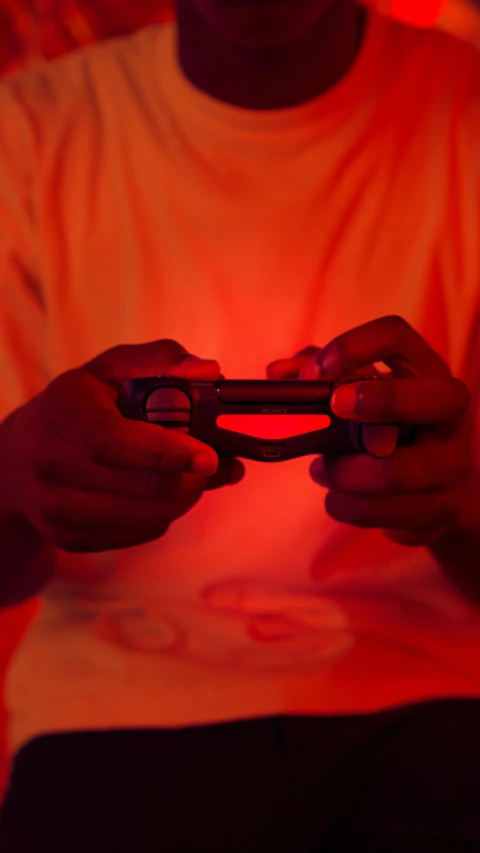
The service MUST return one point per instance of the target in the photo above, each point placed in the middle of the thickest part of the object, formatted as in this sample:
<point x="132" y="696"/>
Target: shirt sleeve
<point x="471" y="157"/>
<point x="472" y="379"/>
<point x="22" y="309"/>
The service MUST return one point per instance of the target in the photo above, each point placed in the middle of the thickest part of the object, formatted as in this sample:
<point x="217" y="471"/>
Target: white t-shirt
<point x="133" y="208"/>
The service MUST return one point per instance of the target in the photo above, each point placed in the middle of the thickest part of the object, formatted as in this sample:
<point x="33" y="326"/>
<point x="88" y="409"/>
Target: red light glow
<point x="273" y="426"/>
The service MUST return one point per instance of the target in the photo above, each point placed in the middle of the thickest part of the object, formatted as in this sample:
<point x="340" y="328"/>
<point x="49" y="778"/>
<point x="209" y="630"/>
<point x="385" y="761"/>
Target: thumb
<point x="135" y="361"/>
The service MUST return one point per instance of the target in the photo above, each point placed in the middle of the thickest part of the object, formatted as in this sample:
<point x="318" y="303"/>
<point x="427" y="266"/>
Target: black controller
<point x="193" y="407"/>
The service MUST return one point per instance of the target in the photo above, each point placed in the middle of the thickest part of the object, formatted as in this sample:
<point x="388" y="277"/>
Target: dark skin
<point x="417" y="493"/>
<point x="268" y="55"/>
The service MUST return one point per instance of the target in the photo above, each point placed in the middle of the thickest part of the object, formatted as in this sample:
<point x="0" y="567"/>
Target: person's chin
<point x="268" y="25"/>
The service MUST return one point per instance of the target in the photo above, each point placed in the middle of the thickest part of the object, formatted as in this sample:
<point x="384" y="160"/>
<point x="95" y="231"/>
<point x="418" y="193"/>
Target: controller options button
<point x="169" y="406"/>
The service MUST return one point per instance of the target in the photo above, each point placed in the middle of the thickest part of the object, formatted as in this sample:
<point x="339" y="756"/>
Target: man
<point x="287" y="189"/>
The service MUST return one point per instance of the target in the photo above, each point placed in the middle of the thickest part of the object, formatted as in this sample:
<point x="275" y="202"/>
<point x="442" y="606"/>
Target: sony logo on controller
<point x="274" y="411"/>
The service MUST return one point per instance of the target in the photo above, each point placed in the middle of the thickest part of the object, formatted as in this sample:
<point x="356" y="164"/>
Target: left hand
<point x="418" y="492"/>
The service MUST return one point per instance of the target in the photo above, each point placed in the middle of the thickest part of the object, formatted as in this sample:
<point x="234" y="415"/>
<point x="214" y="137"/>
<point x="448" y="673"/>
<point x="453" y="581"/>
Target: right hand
<point x="90" y="480"/>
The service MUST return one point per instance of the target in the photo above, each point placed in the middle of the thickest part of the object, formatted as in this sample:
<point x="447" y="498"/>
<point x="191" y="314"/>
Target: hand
<point x="88" y="479"/>
<point x="418" y="492"/>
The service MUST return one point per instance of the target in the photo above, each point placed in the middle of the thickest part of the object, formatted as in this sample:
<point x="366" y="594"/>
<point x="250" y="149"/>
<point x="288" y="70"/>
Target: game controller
<point x="222" y="413"/>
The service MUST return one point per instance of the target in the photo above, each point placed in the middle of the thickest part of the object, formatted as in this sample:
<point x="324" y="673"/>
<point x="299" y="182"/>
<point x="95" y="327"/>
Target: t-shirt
<point x="135" y="208"/>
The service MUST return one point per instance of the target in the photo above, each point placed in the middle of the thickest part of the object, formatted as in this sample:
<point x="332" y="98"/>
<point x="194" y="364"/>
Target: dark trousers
<point x="403" y="780"/>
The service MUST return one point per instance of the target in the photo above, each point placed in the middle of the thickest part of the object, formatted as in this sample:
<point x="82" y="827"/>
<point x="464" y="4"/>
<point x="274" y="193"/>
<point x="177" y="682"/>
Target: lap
<point x="417" y="784"/>
<point x="208" y="789"/>
<point x="400" y="781"/>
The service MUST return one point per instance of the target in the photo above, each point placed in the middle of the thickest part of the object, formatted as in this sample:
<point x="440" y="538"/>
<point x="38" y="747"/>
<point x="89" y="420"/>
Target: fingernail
<point x="312" y="370"/>
<point x="329" y="362"/>
<point x="345" y="400"/>
<point x="318" y="471"/>
<point x="204" y="464"/>
<point x="236" y="477"/>
<point x="379" y="441"/>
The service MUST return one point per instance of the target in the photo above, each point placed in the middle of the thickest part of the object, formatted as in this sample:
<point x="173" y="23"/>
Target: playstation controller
<point x="251" y="419"/>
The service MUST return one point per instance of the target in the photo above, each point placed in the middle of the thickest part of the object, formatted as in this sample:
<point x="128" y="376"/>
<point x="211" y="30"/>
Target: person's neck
<point x="270" y="78"/>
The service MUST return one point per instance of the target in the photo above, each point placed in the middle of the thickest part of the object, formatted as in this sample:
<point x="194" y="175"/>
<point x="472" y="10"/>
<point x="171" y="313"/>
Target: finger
<point x="76" y="509"/>
<point x="390" y="340"/>
<point x="70" y="468"/>
<point x="289" y="368"/>
<point x="309" y="371"/>
<point x="292" y="368"/>
<point x="131" y="361"/>
<point x="150" y="484"/>
<point x="411" y="511"/>
<point x="230" y="472"/>
<point x="112" y="537"/>
<point x="414" y="539"/>
<point x="402" y="401"/>
<point x="368" y="372"/>
<point x="427" y="467"/>
<point x="89" y="419"/>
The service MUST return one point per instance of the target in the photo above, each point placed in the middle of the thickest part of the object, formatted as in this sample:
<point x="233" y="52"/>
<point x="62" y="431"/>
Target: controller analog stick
<point x="169" y="407"/>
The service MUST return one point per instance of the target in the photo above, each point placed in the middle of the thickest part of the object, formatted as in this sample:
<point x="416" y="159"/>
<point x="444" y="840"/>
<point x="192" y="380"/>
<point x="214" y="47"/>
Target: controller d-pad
<point x="169" y="407"/>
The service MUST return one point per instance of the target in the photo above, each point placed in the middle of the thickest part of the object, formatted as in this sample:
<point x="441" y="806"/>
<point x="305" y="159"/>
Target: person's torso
<point x="162" y="220"/>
